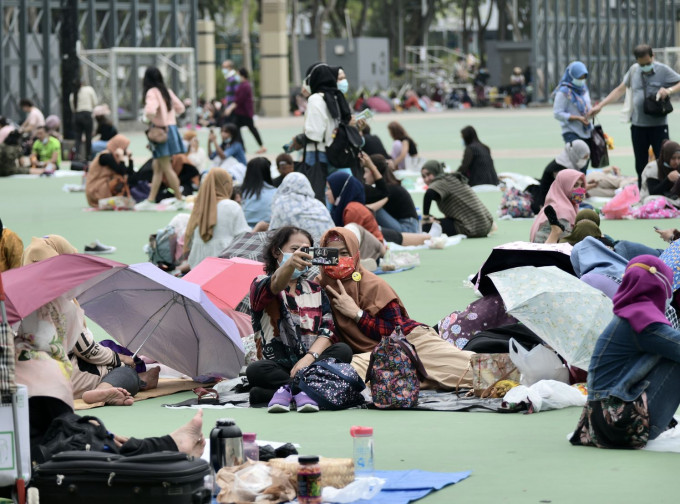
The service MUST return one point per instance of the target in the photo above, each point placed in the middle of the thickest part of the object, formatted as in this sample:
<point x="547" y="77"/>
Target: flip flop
<point x="207" y="396"/>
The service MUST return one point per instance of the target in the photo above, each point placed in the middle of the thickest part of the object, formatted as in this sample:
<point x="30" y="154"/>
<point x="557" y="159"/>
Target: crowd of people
<point x="357" y="206"/>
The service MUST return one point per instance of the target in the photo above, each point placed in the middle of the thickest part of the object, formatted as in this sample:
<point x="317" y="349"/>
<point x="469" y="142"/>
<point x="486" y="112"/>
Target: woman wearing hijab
<point x="575" y="156"/>
<point x="572" y="104"/>
<point x="598" y="265"/>
<point x="294" y="205"/>
<point x="464" y="213"/>
<point x="635" y="367"/>
<point x="565" y="194"/>
<point x="326" y="108"/>
<point x="215" y="219"/>
<point x="580" y="232"/>
<point x="11" y="249"/>
<point x="661" y="176"/>
<point x="293" y="323"/>
<point x="108" y="172"/>
<point x="366" y="308"/>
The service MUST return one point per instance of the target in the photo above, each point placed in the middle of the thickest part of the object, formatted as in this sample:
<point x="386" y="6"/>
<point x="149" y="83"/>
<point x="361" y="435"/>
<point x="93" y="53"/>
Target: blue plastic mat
<point x="403" y="487"/>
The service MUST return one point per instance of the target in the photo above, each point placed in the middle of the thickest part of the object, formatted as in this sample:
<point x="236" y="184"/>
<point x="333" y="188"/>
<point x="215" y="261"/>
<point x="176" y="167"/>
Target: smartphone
<point x="323" y="256"/>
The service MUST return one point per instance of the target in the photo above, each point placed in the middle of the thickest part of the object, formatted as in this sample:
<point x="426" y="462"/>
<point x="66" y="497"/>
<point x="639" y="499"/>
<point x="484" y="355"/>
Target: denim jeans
<point x="407" y="225"/>
<point x="310" y="157"/>
<point x="628" y="249"/>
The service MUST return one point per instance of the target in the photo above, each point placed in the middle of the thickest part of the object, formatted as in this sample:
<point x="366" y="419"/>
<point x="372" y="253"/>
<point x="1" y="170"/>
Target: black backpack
<point x="344" y="150"/>
<point x="71" y="432"/>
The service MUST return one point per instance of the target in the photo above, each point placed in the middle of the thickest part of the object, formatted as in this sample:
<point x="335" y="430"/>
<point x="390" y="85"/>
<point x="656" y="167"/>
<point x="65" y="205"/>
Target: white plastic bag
<point x="539" y="363"/>
<point x="251" y="481"/>
<point x="360" y="488"/>
<point x="546" y="395"/>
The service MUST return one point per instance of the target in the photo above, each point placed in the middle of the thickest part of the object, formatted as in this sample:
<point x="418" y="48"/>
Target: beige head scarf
<point x="46" y="247"/>
<point x="216" y="186"/>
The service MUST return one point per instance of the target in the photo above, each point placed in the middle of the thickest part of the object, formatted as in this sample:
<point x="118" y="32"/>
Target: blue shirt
<point x="259" y="209"/>
<point x="234" y="150"/>
<point x="623" y="358"/>
<point x="563" y="108"/>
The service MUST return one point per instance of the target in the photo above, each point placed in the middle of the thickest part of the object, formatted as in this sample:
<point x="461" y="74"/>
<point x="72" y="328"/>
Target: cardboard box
<point x="15" y="447"/>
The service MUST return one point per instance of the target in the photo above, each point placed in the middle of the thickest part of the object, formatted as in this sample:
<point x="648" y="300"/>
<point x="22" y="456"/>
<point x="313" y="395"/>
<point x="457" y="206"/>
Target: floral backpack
<point x="395" y="372"/>
<point x="333" y="385"/>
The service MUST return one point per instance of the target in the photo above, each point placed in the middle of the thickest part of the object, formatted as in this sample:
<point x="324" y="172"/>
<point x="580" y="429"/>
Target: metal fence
<point x="30" y="45"/>
<point x="601" y="33"/>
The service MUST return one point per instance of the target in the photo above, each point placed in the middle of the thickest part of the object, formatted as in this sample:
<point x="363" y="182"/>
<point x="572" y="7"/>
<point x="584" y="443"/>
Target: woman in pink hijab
<point x="565" y="194"/>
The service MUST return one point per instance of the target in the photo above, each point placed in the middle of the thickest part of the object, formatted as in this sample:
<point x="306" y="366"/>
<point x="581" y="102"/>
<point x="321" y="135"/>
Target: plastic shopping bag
<point x="539" y="363"/>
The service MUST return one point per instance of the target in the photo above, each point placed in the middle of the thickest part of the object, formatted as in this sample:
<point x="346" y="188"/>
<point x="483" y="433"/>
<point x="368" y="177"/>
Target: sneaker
<point x="97" y="247"/>
<point x="175" y="204"/>
<point x="280" y="403"/>
<point x="305" y="404"/>
<point x="146" y="205"/>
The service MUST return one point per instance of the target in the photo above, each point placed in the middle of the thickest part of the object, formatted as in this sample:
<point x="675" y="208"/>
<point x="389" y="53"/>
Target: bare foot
<point x="113" y="396"/>
<point x="261" y="150"/>
<point x="189" y="438"/>
<point x="150" y="377"/>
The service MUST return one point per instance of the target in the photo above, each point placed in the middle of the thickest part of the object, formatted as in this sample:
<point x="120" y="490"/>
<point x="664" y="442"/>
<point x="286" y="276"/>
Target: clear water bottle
<point x="250" y="449"/>
<point x="363" y="450"/>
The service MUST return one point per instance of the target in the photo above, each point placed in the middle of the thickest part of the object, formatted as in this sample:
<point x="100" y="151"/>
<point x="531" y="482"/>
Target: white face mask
<point x="306" y="89"/>
<point x="45" y="140"/>
<point x="647" y="68"/>
<point x="582" y="162"/>
<point x="578" y="82"/>
<point x="343" y="86"/>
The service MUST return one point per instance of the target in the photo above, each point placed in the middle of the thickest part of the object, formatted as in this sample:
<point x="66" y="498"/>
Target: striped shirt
<point x="460" y="203"/>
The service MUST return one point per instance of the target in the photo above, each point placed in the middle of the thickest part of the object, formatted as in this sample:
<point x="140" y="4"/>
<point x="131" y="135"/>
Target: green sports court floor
<point x="514" y="458"/>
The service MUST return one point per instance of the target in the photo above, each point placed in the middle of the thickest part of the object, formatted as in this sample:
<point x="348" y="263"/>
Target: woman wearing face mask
<point x="293" y="322"/>
<point x="572" y="104"/>
<point x="231" y="149"/>
<point x="635" y="367"/>
<point x="366" y="308"/>
<point x="661" y="176"/>
<point x="561" y="206"/>
<point x="108" y="170"/>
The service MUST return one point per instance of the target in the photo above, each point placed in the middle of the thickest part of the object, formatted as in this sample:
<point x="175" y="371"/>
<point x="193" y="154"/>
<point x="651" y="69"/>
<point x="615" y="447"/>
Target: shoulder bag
<point x="653" y="107"/>
<point x="157" y="134"/>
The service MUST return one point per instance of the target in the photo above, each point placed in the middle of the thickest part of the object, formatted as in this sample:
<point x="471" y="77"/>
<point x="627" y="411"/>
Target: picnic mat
<point x="166" y="386"/>
<point x="403" y="487"/>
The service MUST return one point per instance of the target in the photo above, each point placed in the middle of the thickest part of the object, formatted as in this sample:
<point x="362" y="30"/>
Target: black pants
<point x="448" y="226"/>
<point x="242" y="121"/>
<point x="42" y="410"/>
<point x="643" y="137"/>
<point x="83" y="124"/>
<point x="270" y="375"/>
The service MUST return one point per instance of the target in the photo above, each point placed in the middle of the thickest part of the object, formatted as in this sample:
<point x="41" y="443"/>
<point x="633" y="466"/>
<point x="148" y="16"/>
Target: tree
<point x="325" y="9"/>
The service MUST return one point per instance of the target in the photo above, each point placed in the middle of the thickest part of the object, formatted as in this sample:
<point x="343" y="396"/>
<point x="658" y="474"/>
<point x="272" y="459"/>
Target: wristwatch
<point x="313" y="354"/>
<point x="358" y="316"/>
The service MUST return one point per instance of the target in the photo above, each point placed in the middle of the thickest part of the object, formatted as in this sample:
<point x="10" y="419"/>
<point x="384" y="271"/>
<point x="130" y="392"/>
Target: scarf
<point x="581" y="231"/>
<point x="216" y="186"/>
<point x="46" y="247"/>
<point x="573" y="152"/>
<point x="322" y="80"/>
<point x="434" y="168"/>
<point x="558" y="197"/>
<point x="587" y="214"/>
<point x="345" y="189"/>
<point x="593" y="256"/>
<point x="294" y="204"/>
<point x="370" y="293"/>
<point x="641" y="298"/>
<point x="663" y="163"/>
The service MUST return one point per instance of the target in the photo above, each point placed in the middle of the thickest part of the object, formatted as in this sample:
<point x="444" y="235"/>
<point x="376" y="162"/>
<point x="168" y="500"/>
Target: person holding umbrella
<point x="635" y="367"/>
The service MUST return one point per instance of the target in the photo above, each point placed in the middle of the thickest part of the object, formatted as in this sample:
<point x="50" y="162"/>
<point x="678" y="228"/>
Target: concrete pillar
<point x="274" y="78"/>
<point x="206" y="58"/>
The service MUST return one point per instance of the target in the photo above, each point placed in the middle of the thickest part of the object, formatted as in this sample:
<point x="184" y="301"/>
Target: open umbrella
<point x="34" y="285"/>
<point x="225" y="281"/>
<point x="248" y="246"/>
<point x="516" y="254"/>
<point x="377" y="104"/>
<point x="174" y="320"/>
<point x="565" y="312"/>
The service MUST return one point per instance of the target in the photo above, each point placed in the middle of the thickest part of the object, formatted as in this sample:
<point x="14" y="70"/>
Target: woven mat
<point x="166" y="386"/>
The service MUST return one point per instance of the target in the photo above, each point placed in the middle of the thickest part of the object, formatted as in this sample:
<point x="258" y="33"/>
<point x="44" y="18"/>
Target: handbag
<point x="653" y="107"/>
<point x="487" y="370"/>
<point x="599" y="157"/>
<point x="157" y="134"/>
<point x="333" y="385"/>
<point x="344" y="150"/>
<point x="316" y="174"/>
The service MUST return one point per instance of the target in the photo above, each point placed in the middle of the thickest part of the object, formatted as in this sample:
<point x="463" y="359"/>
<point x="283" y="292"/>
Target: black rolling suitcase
<point x="84" y="477"/>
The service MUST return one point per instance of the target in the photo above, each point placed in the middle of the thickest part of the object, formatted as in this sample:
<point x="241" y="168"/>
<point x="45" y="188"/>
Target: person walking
<point x="648" y="80"/>
<point x="232" y="79"/>
<point x="161" y="106"/>
<point x="83" y="100"/>
<point x="572" y="104"/>
<point x="244" y="110"/>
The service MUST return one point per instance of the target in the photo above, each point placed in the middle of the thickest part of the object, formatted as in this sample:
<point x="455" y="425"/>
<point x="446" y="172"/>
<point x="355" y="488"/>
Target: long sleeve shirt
<point x="385" y="321"/>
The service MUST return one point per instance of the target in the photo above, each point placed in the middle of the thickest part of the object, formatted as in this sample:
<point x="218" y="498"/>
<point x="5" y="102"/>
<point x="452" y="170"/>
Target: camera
<point x="323" y="256"/>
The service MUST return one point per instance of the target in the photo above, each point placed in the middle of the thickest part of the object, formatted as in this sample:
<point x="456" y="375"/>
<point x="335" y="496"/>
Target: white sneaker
<point x="145" y="205"/>
<point x="175" y="205"/>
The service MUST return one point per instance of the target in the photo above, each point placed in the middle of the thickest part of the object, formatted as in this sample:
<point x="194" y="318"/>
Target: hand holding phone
<point x="323" y="256"/>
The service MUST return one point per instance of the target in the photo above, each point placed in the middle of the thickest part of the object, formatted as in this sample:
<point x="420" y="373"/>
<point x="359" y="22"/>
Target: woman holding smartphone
<point x="293" y="324"/>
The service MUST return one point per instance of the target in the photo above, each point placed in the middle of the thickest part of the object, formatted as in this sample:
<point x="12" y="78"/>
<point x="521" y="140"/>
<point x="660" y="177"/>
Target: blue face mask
<point x="578" y="82"/>
<point x="297" y="273"/>
<point x="647" y="68"/>
<point x="343" y="86"/>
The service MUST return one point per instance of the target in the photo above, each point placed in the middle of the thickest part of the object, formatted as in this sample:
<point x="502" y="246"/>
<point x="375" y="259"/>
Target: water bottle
<point x="250" y="449"/>
<point x="363" y="450"/>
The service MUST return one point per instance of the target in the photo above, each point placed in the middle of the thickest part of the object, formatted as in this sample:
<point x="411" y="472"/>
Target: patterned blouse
<point x="286" y="325"/>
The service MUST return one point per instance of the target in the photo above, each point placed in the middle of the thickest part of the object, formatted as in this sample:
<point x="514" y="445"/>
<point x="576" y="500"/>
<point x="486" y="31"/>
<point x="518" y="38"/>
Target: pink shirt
<point x="156" y="110"/>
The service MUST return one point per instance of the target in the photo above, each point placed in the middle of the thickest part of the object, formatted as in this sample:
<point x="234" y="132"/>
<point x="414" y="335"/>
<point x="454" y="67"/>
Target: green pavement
<point x="515" y="458"/>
